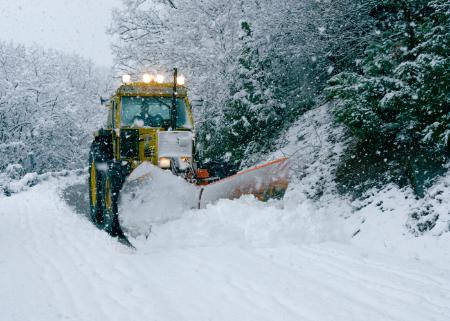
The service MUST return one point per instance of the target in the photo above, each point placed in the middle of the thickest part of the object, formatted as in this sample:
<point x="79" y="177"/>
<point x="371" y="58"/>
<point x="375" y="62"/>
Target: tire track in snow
<point x="97" y="271"/>
<point x="368" y="265"/>
<point x="404" y="271"/>
<point x="373" y="287"/>
<point x="43" y="237"/>
<point x="314" y="286"/>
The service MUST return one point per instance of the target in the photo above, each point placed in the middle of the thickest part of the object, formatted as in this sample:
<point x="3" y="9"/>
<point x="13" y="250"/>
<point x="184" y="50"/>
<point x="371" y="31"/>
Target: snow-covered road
<point x="208" y="265"/>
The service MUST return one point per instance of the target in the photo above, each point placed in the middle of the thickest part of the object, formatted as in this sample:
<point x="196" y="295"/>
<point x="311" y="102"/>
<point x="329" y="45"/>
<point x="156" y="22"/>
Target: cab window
<point x="138" y="111"/>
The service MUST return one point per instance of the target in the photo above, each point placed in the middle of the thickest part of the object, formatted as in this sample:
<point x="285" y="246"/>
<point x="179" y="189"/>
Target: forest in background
<point x="48" y="109"/>
<point x="381" y="67"/>
<point x="257" y="65"/>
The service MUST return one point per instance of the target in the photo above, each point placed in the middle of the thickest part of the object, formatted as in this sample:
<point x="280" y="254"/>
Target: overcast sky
<point x="68" y="25"/>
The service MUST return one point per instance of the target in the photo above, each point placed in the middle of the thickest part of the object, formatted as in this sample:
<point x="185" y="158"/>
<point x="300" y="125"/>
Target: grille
<point x="175" y="144"/>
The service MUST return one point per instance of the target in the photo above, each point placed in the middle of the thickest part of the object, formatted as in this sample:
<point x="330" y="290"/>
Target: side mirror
<point x="196" y="103"/>
<point x="103" y="101"/>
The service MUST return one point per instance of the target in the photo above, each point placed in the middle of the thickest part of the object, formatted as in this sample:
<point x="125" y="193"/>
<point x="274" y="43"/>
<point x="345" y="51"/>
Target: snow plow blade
<point x="264" y="182"/>
<point x="152" y="196"/>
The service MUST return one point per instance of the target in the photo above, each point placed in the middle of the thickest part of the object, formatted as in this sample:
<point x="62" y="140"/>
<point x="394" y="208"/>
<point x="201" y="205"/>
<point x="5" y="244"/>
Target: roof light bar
<point x="181" y="80"/>
<point x="147" y="78"/>
<point x="126" y="78"/>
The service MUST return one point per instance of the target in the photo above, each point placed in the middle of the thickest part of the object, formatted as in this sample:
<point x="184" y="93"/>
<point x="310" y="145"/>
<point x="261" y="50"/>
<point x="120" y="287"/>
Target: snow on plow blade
<point x="152" y="196"/>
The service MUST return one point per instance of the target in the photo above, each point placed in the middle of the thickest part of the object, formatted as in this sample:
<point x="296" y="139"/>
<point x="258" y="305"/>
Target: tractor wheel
<point x="112" y="184"/>
<point x="95" y="188"/>
<point x="109" y="202"/>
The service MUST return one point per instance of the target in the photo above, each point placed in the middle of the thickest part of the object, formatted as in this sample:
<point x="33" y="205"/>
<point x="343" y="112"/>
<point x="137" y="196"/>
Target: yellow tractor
<point x="150" y="130"/>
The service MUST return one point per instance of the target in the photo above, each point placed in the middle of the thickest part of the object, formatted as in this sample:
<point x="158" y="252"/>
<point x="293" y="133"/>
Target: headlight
<point x="185" y="163"/>
<point x="159" y="79"/>
<point x="164" y="162"/>
<point x="185" y="159"/>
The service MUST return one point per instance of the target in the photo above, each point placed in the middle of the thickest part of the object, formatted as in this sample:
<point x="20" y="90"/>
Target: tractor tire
<point x="96" y="199"/>
<point x="106" y="178"/>
<point x="112" y="184"/>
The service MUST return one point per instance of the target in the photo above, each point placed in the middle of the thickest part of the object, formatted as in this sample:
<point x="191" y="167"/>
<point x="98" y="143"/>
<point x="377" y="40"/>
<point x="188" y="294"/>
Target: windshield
<point x="152" y="112"/>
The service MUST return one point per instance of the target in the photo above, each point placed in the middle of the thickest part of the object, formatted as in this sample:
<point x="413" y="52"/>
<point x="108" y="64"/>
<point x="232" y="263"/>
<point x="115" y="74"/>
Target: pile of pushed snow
<point x="162" y="207"/>
<point x="248" y="222"/>
<point x="379" y="225"/>
<point x="153" y="196"/>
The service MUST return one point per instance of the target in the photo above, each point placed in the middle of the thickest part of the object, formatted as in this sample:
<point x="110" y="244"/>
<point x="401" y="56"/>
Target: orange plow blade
<point x="264" y="182"/>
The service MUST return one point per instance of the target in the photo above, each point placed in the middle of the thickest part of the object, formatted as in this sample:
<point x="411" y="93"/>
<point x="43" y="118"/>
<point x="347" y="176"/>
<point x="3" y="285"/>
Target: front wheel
<point x="110" y="204"/>
<point x="95" y="191"/>
<point x="112" y="184"/>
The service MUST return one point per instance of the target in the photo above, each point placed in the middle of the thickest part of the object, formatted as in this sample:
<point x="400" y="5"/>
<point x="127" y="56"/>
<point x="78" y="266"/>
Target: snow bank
<point x="14" y="181"/>
<point x="314" y="145"/>
<point x="387" y="223"/>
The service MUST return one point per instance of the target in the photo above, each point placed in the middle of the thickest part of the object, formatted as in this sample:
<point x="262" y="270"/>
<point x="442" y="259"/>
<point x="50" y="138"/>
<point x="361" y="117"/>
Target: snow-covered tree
<point x="48" y="108"/>
<point x="399" y="104"/>
<point x="250" y="115"/>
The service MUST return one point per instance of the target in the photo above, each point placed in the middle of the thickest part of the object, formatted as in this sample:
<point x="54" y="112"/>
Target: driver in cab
<point x="149" y="117"/>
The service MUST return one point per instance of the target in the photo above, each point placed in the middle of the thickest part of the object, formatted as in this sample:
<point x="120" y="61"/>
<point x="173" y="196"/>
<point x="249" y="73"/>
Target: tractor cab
<point x="151" y="121"/>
